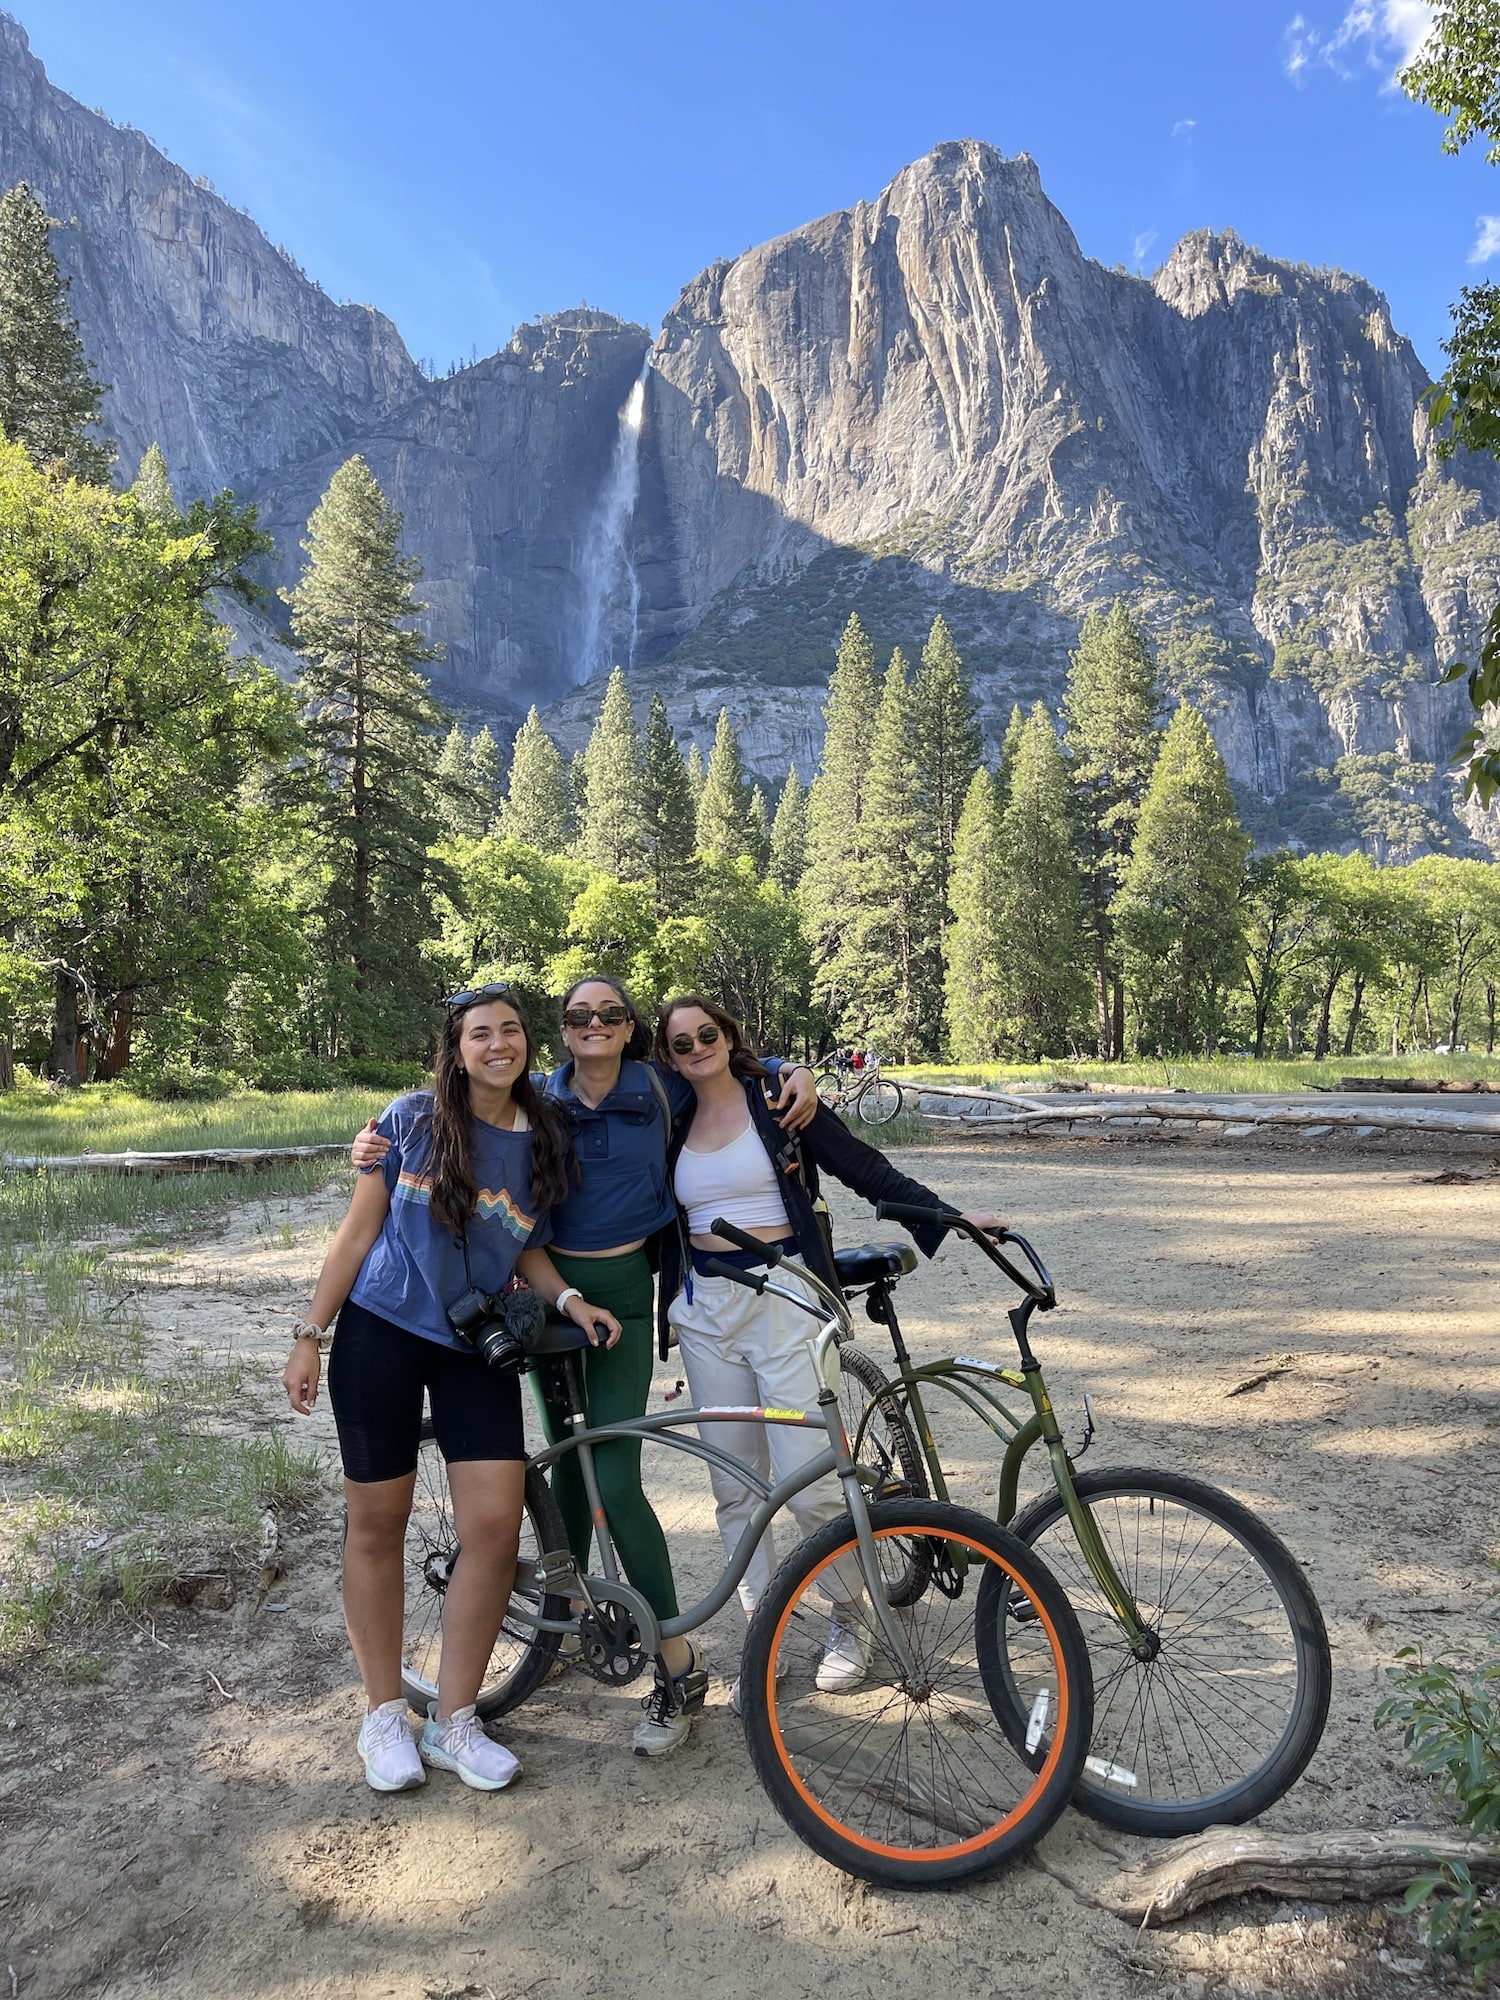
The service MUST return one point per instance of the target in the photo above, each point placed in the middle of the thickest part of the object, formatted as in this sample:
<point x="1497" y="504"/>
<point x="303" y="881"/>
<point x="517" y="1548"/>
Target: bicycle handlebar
<point x="716" y="1267"/>
<point x="769" y="1253"/>
<point x="1039" y="1288"/>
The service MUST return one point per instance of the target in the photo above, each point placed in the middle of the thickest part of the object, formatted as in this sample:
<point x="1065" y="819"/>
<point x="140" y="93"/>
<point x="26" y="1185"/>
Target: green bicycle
<point x="1212" y="1671"/>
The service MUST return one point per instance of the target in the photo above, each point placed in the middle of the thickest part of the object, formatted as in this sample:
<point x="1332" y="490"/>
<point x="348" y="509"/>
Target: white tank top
<point x="736" y="1181"/>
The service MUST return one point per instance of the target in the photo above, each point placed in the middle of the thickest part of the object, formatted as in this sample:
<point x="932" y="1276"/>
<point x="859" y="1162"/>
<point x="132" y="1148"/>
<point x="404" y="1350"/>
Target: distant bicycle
<point x="872" y="1097"/>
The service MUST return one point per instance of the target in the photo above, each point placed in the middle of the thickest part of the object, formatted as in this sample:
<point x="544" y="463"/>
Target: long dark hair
<point x="638" y="1042"/>
<point x="453" y="1190"/>
<point x="741" y="1063"/>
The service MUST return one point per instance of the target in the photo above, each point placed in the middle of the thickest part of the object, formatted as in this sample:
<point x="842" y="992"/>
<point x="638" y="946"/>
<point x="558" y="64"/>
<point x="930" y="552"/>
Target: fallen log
<point x="216" y="1160"/>
<point x="1345" y="1865"/>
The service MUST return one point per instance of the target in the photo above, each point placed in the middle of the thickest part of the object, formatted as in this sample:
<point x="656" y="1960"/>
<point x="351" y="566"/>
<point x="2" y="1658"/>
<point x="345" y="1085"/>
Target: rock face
<point x="933" y="402"/>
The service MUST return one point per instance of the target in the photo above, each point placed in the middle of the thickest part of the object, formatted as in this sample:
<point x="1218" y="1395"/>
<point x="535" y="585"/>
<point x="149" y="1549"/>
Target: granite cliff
<point x="929" y="402"/>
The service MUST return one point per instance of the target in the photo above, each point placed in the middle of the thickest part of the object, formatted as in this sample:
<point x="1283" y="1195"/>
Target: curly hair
<point x="638" y="1042"/>
<point x="553" y="1168"/>
<point x="741" y="1063"/>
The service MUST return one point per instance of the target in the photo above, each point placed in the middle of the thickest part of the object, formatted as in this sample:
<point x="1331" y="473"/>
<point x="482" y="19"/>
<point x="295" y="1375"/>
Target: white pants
<point x="740" y="1349"/>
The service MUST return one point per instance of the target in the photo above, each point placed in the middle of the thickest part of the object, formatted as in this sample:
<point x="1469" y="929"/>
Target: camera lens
<point x="498" y="1344"/>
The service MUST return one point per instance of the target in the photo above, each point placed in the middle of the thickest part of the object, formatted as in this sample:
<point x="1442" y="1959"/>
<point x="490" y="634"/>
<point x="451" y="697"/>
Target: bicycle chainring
<point x="610" y="1646"/>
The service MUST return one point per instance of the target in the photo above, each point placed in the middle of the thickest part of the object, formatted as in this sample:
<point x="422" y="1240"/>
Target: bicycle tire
<point x="915" y="1787"/>
<point x="879" y="1102"/>
<point x="829" y="1085"/>
<point x="880" y="1436"/>
<point x="521" y="1657"/>
<point x="1224" y="1720"/>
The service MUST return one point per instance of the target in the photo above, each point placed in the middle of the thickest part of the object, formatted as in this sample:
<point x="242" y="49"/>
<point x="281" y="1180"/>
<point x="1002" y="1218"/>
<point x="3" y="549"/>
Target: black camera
<point x="501" y="1325"/>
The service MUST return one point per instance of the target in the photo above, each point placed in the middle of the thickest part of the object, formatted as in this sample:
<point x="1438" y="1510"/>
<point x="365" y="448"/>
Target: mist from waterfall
<point x="610" y="591"/>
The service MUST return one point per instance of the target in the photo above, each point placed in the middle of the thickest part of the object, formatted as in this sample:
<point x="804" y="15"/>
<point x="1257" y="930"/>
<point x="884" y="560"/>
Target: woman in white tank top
<point x="742" y="1349"/>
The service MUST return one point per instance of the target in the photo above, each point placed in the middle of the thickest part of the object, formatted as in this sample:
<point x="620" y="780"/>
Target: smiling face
<point x="704" y="1059"/>
<point x="597" y="1042"/>
<point x="492" y="1045"/>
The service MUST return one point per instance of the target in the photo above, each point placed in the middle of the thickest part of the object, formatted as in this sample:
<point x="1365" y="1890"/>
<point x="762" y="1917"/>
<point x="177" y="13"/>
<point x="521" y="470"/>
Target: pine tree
<point x="537" y="805"/>
<point x="1008" y="748"/>
<point x="1112" y="740"/>
<point x="611" y="820"/>
<point x="49" y="400"/>
<point x="724" y="808"/>
<point x="758" y="831"/>
<point x="487" y="775"/>
<point x="462" y="809"/>
<point x="697" y="776"/>
<point x="671" y="814"/>
<point x="976" y="999"/>
<point x="833" y="888"/>
<point x="789" y="834"/>
<point x="153" y="487"/>
<point x="1040" y="906"/>
<point x="886" y="937"/>
<point x="946" y="741"/>
<point x="371" y="724"/>
<point x="1177" y="910"/>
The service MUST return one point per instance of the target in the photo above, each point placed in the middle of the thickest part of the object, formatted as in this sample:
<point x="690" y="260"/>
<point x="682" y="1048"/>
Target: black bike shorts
<point x="377" y="1373"/>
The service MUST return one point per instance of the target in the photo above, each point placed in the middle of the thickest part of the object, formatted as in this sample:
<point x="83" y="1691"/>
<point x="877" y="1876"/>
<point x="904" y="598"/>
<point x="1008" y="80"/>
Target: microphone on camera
<point x="524" y="1315"/>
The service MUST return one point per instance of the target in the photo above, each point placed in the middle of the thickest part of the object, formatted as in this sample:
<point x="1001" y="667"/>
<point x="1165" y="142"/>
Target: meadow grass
<point x="121" y="1486"/>
<point x="110" y="1118"/>
<point x="1226" y="1074"/>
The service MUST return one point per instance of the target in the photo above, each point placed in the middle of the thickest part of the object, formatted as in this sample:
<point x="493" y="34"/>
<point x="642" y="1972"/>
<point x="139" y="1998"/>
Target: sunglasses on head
<point x="471" y="996"/>
<point x="683" y="1045"/>
<point x="613" y="1015"/>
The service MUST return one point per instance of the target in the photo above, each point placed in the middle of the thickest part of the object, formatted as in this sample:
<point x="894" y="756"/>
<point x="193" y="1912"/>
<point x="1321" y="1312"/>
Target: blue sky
<point x="471" y="164"/>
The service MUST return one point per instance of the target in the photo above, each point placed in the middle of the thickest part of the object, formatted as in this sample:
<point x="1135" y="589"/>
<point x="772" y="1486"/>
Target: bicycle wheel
<point x="521" y="1656"/>
<point x="911" y="1781"/>
<point x="830" y="1088"/>
<point x="880" y="1436"/>
<point x="879" y="1102"/>
<point x="1225" y="1718"/>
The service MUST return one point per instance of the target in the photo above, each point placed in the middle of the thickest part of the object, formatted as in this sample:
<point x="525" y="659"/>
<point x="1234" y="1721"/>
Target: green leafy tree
<point x="1040" y="903"/>
<point x="611" y="820"/>
<point x="886" y="938"/>
<point x="1177" y="909"/>
<point x="507" y="909"/>
<point x="537" y="802"/>
<point x="671" y="815"/>
<point x="372" y="729"/>
<point x="833" y="888"/>
<point x="1275" y="918"/>
<point x="615" y="927"/>
<point x="1348" y="905"/>
<point x="1112" y="740"/>
<point x="1464" y="900"/>
<point x="49" y="400"/>
<point x="975" y="993"/>
<point x="946" y="742"/>
<point x="724" y="807"/>
<point x="789" y="834"/>
<point x="753" y="951"/>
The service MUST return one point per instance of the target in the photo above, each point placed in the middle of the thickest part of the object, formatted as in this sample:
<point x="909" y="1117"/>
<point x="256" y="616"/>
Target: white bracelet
<point x="567" y="1292"/>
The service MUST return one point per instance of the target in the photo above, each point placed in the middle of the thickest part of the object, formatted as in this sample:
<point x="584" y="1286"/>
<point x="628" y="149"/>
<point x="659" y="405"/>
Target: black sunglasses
<point x="471" y="996"/>
<point x="682" y="1045"/>
<point x="612" y="1015"/>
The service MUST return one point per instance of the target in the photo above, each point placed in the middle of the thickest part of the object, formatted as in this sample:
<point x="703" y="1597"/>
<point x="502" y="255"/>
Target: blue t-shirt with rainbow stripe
<point x="415" y="1268"/>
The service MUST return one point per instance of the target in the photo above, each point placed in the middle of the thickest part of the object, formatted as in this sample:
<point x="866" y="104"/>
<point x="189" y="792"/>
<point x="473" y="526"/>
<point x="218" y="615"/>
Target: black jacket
<point x="826" y="1144"/>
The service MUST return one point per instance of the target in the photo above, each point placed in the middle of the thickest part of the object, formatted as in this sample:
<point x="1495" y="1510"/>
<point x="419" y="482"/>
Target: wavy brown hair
<point x="453" y="1190"/>
<point x="638" y="1042"/>
<point x="741" y="1063"/>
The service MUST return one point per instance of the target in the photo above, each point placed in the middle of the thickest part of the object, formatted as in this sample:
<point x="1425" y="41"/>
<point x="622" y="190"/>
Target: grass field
<point x="110" y="1118"/>
<point x="1228" y="1074"/>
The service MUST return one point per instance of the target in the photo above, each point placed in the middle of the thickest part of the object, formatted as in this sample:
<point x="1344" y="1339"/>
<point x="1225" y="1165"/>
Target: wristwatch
<point x="305" y="1330"/>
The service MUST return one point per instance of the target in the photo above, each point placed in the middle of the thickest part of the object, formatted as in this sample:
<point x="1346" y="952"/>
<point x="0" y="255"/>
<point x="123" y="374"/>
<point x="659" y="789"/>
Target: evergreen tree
<point x="152" y="490"/>
<point x="758" y="831"/>
<point x="671" y="814"/>
<point x="460" y="804"/>
<point x="1008" y="748"/>
<point x="946" y="741"/>
<point x="833" y="889"/>
<point x="487" y="775"/>
<point x="976" y="999"/>
<point x="49" y="399"/>
<point x="696" y="774"/>
<point x="724" y="808"/>
<point x="887" y="935"/>
<point x="1112" y="740"/>
<point x="611" y="819"/>
<point x="1178" y="909"/>
<point x="1040" y="903"/>
<point x="789" y="834"/>
<point x="537" y="805"/>
<point x="578" y="792"/>
<point x="371" y="725"/>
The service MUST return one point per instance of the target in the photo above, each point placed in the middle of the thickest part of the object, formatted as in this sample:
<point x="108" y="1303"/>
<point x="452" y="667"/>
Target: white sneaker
<point x="385" y="1743"/>
<point x="846" y="1657"/>
<point x="669" y="1706"/>
<point x="459" y="1744"/>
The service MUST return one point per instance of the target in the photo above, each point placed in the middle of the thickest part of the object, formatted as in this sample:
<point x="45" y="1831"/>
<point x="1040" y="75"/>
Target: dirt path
<point x="195" y="1826"/>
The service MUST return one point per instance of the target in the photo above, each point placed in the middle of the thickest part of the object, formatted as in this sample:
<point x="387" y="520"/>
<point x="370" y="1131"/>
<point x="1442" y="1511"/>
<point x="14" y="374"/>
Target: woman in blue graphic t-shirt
<point x="462" y="1199"/>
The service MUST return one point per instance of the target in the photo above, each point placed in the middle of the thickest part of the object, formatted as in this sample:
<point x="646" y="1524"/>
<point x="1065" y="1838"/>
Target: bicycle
<point x="1212" y="1671"/>
<point x="874" y="1098"/>
<point x="920" y="1777"/>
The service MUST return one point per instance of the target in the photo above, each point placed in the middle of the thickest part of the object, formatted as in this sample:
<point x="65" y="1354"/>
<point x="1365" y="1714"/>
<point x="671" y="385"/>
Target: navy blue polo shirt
<point x="621" y="1148"/>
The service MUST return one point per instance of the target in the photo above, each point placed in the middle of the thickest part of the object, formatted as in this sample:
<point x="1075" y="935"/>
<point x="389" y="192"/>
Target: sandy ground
<point x="197" y="1825"/>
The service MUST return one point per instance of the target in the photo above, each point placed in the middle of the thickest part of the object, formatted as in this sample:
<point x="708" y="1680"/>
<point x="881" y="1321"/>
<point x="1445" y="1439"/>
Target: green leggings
<point x="616" y="1383"/>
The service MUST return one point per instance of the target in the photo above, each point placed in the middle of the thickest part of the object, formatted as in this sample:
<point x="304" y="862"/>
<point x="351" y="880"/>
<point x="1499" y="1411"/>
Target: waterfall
<point x="610" y="591"/>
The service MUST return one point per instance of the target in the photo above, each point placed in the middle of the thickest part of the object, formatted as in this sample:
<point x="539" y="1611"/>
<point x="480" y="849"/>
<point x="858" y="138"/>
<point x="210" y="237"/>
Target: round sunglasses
<point x="683" y="1045"/>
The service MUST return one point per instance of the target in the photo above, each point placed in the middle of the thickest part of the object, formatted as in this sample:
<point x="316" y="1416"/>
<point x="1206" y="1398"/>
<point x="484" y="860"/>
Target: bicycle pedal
<point x="692" y="1690"/>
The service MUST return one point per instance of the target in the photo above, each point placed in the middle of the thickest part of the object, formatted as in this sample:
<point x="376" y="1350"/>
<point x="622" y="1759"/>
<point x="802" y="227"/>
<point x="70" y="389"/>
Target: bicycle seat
<point x="871" y="1262"/>
<point x="558" y="1336"/>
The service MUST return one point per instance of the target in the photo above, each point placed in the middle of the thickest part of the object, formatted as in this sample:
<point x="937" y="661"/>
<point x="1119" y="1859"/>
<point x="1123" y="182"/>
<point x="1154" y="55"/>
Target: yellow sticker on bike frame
<point x="786" y="1416"/>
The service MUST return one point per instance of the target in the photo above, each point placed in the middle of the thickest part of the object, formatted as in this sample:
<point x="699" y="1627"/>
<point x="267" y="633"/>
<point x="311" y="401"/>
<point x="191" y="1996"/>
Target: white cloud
<point x="1487" y="242"/>
<point x="1381" y="35"/>
<point x="1184" y="128"/>
<point x="1140" y="245"/>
